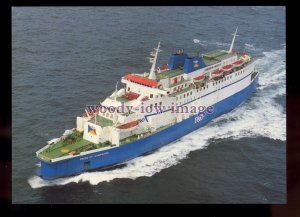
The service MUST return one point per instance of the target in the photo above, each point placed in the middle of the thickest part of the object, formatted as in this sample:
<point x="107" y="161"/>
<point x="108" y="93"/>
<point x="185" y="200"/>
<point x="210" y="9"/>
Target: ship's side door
<point x="86" y="165"/>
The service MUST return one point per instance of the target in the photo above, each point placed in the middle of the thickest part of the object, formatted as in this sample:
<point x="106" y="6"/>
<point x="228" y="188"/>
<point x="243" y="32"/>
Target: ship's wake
<point x="261" y="115"/>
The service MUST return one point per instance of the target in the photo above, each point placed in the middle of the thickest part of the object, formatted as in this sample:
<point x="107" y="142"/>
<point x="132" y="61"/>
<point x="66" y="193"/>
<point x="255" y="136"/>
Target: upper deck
<point x="216" y="56"/>
<point x="169" y="73"/>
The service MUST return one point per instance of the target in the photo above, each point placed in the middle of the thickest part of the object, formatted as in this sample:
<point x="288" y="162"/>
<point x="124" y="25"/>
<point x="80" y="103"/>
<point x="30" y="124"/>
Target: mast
<point x="115" y="96"/>
<point x="153" y="61"/>
<point x="231" y="46"/>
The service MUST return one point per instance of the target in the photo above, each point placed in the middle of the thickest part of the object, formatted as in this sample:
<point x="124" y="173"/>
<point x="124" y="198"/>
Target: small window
<point x="151" y="95"/>
<point x="185" y="85"/>
<point x="128" y="88"/>
<point x="183" y="95"/>
<point x="187" y="94"/>
<point x="206" y="86"/>
<point x="191" y="92"/>
<point x="174" y="88"/>
<point x="161" y="102"/>
<point x="156" y="104"/>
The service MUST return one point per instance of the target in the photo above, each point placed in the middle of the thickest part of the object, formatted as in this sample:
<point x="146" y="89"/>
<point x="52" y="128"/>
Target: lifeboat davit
<point x="199" y="78"/>
<point x="217" y="73"/>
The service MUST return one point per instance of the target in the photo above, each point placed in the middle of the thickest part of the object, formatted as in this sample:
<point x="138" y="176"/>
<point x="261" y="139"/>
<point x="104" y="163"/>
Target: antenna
<point x="231" y="46"/>
<point x="153" y="61"/>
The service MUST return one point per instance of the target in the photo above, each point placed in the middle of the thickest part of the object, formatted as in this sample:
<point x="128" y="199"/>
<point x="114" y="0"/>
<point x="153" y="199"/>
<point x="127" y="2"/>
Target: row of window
<point x="240" y="72"/>
<point x="202" y="88"/>
<point x="151" y="95"/>
<point x="224" y="79"/>
<point x="212" y="67"/>
<point x="179" y="87"/>
<point x="185" y="94"/>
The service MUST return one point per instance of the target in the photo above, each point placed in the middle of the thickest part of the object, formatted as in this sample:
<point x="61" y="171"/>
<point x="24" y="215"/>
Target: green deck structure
<point x="216" y="56"/>
<point x="169" y="73"/>
<point x="73" y="143"/>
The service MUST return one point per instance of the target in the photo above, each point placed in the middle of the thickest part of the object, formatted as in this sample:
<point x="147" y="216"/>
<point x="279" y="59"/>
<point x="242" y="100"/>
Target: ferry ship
<point x="151" y="110"/>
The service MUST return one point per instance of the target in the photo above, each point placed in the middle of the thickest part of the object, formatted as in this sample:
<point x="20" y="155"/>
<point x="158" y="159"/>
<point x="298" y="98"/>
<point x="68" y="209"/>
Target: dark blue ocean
<point x="64" y="58"/>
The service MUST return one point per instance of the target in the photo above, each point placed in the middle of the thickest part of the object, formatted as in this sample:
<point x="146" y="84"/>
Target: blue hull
<point x="129" y="151"/>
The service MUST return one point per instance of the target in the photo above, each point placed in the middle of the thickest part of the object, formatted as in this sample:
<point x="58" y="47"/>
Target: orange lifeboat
<point x="238" y="63"/>
<point x="128" y="125"/>
<point x="199" y="78"/>
<point x="227" y="67"/>
<point x="217" y="73"/>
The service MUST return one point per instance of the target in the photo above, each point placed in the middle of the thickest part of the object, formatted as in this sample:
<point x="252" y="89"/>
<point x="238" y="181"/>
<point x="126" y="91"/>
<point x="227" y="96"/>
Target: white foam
<point x="197" y="41"/>
<point x="221" y="44"/>
<point x="258" y="116"/>
<point x="251" y="47"/>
